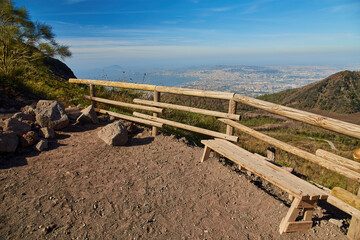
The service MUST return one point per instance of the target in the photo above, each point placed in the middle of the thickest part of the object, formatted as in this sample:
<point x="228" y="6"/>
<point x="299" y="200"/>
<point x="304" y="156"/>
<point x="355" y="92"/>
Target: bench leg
<point x="289" y="223"/>
<point x="206" y="154"/>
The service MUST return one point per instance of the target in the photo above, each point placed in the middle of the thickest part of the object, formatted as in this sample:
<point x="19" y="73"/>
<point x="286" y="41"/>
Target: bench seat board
<point x="286" y="181"/>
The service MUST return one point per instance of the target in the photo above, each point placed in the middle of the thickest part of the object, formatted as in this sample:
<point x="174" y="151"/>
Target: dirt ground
<point x="152" y="188"/>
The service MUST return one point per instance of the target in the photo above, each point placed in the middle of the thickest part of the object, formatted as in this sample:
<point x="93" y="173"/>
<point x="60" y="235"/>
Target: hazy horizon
<point x="139" y="34"/>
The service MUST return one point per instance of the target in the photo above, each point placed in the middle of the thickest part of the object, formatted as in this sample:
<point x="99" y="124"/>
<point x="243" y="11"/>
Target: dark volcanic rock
<point x="29" y="139"/>
<point x="8" y="141"/>
<point x="16" y="126"/>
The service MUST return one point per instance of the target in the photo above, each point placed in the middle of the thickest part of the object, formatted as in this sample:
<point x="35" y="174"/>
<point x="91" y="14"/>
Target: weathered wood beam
<point x="122" y="104"/>
<point x="188" y="109"/>
<point x="296" y="151"/>
<point x="346" y="128"/>
<point x="130" y="118"/>
<point x="187" y="127"/>
<point x="338" y="159"/>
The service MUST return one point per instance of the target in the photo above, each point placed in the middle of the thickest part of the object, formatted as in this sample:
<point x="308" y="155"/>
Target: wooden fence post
<point x="232" y="110"/>
<point x="156" y="99"/>
<point x="92" y="94"/>
<point x="270" y="152"/>
<point x="354" y="229"/>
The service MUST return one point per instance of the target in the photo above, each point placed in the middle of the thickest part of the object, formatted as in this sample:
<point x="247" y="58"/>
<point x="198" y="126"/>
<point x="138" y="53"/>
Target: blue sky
<point x="176" y="33"/>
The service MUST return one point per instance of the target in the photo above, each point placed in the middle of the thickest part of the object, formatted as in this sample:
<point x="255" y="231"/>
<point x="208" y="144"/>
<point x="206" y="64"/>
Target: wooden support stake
<point x="156" y="99"/>
<point x="232" y="110"/>
<point x="206" y="154"/>
<point x="271" y="154"/>
<point x="354" y="228"/>
<point x="92" y="94"/>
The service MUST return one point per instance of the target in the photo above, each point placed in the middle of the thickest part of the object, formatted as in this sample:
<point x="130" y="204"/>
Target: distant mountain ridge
<point x="338" y="93"/>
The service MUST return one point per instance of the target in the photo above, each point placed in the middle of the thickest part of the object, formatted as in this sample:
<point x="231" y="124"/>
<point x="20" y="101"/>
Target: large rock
<point x="114" y="134"/>
<point x="8" y="141"/>
<point x="16" y="126"/>
<point x="88" y="114"/>
<point x="29" y="139"/>
<point x="51" y="114"/>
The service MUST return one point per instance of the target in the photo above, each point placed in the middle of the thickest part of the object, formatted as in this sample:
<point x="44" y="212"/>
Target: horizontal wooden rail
<point x="187" y="127"/>
<point x="343" y="206"/>
<point x="130" y="118"/>
<point x="338" y="159"/>
<point x="296" y="151"/>
<point x="188" y="109"/>
<point x="146" y="87"/>
<point x="346" y="197"/>
<point x="349" y="129"/>
<point x="114" y="84"/>
<point x="122" y="104"/>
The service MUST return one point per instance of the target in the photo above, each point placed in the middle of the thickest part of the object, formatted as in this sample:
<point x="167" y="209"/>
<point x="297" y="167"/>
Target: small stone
<point x="29" y="139"/>
<point x="23" y="116"/>
<point x="28" y="110"/>
<point x="336" y="222"/>
<point x="8" y="142"/>
<point x="42" y="145"/>
<point x="47" y="132"/>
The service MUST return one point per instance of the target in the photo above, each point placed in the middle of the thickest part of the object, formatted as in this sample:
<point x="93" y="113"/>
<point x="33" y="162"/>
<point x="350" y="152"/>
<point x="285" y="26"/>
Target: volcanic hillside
<point x="338" y="93"/>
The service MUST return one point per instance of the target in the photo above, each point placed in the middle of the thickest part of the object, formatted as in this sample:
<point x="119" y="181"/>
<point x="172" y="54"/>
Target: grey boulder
<point x="47" y="132"/>
<point x="114" y="134"/>
<point x="88" y="114"/>
<point x="51" y="114"/>
<point x="42" y="145"/>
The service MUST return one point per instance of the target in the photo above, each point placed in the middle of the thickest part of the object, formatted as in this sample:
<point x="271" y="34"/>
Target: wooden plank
<point x="290" y="216"/>
<point x="298" y="226"/>
<point x="273" y="174"/>
<point x="130" y="118"/>
<point x="338" y="159"/>
<point x="156" y="99"/>
<point x="188" y="109"/>
<point x="346" y="128"/>
<point x="232" y="110"/>
<point x="123" y="104"/>
<point x="187" y="127"/>
<point x="174" y="90"/>
<point x="346" y="197"/>
<point x="247" y="162"/>
<point x="206" y="154"/>
<point x="296" y="151"/>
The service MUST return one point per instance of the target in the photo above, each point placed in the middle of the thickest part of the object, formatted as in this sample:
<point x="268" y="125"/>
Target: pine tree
<point x="23" y="42"/>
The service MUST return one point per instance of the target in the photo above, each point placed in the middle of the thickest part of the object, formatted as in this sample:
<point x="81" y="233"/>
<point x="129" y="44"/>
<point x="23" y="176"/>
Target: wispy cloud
<point x="345" y="7"/>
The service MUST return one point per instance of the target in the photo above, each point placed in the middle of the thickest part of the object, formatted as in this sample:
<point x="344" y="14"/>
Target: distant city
<point x="248" y="80"/>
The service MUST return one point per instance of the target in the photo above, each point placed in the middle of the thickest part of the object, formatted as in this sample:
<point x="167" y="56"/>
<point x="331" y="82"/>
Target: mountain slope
<point x="338" y="93"/>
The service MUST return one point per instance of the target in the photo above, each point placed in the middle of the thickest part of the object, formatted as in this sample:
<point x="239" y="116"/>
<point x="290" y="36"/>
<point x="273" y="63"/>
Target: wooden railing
<point x="337" y="164"/>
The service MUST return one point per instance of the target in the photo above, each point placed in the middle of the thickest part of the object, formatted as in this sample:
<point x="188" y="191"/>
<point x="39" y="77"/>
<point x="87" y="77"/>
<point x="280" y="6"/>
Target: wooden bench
<point x="303" y="194"/>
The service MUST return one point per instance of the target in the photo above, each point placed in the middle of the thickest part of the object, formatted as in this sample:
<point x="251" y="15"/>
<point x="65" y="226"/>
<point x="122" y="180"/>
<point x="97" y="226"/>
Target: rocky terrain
<point x="80" y="187"/>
